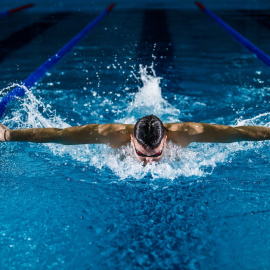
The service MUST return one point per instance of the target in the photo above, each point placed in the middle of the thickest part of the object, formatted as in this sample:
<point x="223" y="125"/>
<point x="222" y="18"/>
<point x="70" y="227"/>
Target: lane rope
<point x="29" y="82"/>
<point x="241" y="39"/>
<point x="14" y="10"/>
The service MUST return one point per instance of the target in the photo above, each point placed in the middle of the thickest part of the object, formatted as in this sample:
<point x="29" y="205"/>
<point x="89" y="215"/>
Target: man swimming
<point x="148" y="137"/>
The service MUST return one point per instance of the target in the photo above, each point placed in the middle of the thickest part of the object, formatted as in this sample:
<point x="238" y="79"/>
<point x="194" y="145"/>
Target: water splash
<point x="259" y="120"/>
<point x="30" y="112"/>
<point x="148" y="99"/>
<point x="4" y="91"/>
<point x="198" y="160"/>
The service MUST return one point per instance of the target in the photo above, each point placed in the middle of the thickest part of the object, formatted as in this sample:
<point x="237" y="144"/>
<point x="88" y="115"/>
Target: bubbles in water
<point x="4" y="91"/>
<point x="259" y="120"/>
<point x="30" y="112"/>
<point x="197" y="160"/>
<point x="149" y="100"/>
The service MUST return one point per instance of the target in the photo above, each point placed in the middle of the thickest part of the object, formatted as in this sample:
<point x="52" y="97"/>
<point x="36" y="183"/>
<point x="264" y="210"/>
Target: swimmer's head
<point x="149" y="139"/>
<point x="149" y="131"/>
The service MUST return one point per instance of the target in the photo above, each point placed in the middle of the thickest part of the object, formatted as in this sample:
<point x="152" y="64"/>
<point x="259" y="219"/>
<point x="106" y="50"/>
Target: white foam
<point x="148" y="99"/>
<point x="199" y="160"/>
<point x="261" y="119"/>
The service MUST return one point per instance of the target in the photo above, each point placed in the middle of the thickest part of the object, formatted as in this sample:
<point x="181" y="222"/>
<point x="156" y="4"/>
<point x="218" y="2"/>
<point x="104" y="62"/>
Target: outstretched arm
<point x="188" y="132"/>
<point x="115" y="135"/>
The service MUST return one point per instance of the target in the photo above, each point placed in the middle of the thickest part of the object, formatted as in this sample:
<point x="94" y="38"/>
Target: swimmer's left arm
<point x="188" y="132"/>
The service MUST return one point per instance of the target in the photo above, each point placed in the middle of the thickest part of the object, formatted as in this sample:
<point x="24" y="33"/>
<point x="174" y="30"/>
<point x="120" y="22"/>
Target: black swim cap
<point x="149" y="131"/>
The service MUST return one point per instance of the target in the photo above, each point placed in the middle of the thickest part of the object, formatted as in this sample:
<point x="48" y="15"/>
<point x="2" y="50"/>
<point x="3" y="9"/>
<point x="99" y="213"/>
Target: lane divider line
<point x="29" y="82"/>
<point x="241" y="39"/>
<point x="14" y="10"/>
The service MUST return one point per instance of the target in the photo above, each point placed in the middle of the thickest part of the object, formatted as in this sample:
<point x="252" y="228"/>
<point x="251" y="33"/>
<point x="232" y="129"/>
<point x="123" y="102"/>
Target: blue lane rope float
<point x="246" y="43"/>
<point x="19" y="91"/>
<point x="14" y="10"/>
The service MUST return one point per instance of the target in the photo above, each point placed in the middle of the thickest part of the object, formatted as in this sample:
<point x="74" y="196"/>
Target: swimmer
<point x="148" y="137"/>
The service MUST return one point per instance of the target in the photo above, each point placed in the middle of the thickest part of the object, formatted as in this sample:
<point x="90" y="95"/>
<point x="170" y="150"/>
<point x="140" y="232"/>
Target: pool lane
<point x="241" y="39"/>
<point x="156" y="40"/>
<point x="24" y="36"/>
<point x="261" y="16"/>
<point x="41" y="71"/>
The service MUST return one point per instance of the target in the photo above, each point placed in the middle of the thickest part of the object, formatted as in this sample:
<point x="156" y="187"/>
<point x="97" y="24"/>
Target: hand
<point x="2" y="132"/>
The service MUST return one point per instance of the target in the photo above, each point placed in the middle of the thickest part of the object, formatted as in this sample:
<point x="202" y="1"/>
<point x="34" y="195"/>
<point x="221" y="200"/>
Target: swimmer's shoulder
<point x="106" y="129"/>
<point x="121" y="128"/>
<point x="129" y="128"/>
<point x="180" y="133"/>
<point x="184" y="127"/>
<point x="117" y="134"/>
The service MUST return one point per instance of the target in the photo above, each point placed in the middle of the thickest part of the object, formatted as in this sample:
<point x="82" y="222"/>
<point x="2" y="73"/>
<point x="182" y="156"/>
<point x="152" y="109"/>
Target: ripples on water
<point x="197" y="160"/>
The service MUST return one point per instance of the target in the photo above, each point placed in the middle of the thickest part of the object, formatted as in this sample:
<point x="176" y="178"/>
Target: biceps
<point x="217" y="133"/>
<point x="82" y="135"/>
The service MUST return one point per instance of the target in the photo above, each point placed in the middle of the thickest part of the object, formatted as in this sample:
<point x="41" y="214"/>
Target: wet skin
<point x="148" y="152"/>
<point x="118" y="135"/>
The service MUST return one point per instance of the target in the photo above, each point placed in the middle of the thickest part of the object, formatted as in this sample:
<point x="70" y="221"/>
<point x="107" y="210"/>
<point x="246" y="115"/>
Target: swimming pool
<point x="91" y="207"/>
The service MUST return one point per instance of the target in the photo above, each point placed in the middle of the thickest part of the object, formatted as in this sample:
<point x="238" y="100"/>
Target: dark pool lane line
<point x="25" y="35"/>
<point x="261" y="16"/>
<point x="156" y="40"/>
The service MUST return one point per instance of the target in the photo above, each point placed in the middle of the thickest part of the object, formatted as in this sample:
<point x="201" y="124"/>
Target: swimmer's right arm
<point x="115" y="135"/>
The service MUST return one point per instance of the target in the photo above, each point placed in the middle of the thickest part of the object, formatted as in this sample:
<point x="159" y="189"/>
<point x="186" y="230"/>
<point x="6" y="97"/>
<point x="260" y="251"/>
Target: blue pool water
<point x="91" y="207"/>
